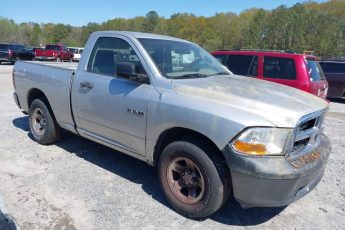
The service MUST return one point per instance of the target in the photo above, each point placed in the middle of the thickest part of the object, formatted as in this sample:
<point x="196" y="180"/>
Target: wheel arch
<point x="178" y="133"/>
<point x="35" y="93"/>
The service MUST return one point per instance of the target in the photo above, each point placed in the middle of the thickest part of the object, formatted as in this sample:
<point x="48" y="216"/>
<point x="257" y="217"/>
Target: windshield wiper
<point x="191" y="75"/>
<point x="219" y="73"/>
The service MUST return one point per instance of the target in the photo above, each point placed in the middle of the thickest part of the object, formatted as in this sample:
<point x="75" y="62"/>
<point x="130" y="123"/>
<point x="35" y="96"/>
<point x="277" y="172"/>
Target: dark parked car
<point x="335" y="74"/>
<point x="13" y="52"/>
<point x="296" y="70"/>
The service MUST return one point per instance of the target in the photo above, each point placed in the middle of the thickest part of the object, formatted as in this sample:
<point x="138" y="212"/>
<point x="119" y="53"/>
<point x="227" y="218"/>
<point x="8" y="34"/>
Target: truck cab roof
<point x="138" y="35"/>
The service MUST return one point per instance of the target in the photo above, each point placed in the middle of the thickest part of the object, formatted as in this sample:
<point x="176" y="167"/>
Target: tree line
<point x="312" y="26"/>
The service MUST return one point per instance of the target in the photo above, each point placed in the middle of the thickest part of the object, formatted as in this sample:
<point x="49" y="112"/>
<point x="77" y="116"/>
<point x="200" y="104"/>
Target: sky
<point x="80" y="12"/>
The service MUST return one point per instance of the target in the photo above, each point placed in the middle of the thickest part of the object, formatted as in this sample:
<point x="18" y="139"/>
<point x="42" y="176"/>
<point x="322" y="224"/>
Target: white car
<point x="76" y="52"/>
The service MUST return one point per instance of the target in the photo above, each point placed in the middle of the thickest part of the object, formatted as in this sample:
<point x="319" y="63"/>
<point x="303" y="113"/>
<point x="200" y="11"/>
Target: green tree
<point x="87" y="30"/>
<point x="35" y="35"/>
<point x="151" y="22"/>
<point x="60" y="31"/>
<point x="319" y="27"/>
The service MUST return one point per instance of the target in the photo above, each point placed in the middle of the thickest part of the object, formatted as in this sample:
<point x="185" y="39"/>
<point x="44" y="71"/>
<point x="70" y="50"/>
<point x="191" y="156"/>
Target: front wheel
<point x="190" y="180"/>
<point x="43" y="125"/>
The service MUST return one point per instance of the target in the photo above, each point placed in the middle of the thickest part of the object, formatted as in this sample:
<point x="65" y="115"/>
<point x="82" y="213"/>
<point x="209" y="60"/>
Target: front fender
<point x="219" y="123"/>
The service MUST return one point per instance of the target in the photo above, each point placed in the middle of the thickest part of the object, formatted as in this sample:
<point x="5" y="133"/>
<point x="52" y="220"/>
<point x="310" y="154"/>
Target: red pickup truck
<point x="56" y="53"/>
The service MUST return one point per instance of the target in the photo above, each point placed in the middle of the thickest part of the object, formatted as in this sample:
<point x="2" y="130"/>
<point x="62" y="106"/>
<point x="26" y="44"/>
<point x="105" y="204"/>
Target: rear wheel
<point x="190" y="179"/>
<point x="43" y="125"/>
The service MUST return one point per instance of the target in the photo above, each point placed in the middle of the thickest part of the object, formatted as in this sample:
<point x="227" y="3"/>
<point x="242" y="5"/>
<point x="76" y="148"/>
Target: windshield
<point x="179" y="60"/>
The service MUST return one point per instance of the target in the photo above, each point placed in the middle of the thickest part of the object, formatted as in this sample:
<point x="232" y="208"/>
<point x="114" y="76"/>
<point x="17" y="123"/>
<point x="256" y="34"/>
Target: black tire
<point x="43" y="125"/>
<point x="209" y="169"/>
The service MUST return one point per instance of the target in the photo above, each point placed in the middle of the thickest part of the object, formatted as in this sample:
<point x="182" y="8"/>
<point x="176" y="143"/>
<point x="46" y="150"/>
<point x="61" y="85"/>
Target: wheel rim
<point x="185" y="180"/>
<point x="39" y="121"/>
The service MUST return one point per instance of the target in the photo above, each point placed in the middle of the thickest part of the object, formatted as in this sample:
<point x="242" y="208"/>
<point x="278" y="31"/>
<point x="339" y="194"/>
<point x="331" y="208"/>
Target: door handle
<point x="85" y="84"/>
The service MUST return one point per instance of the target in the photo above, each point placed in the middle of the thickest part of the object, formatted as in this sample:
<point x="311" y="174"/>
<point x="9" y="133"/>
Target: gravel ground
<point x="78" y="184"/>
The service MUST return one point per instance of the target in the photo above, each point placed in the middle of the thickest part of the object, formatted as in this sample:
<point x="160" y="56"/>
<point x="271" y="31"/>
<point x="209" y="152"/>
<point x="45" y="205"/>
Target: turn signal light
<point x="250" y="148"/>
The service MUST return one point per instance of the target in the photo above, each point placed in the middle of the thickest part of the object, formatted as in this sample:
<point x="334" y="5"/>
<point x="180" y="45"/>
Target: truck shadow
<point x="139" y="172"/>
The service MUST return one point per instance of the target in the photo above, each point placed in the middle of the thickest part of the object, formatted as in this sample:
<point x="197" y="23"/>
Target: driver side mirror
<point x="127" y="70"/>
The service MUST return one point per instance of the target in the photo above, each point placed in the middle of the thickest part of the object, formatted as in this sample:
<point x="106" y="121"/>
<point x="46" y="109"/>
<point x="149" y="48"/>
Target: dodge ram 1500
<point x="168" y="102"/>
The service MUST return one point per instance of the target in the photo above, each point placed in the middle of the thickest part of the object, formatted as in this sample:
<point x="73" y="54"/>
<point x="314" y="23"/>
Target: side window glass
<point x="222" y="58"/>
<point x="279" y="68"/>
<point x="114" y="57"/>
<point x="245" y="65"/>
<point x="333" y="67"/>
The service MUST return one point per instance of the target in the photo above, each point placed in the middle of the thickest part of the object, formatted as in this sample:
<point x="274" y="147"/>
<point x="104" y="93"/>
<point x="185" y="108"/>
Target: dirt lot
<point x="78" y="184"/>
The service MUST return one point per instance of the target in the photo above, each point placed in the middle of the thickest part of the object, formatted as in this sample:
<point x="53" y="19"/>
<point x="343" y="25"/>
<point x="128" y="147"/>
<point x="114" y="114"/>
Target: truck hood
<point x="280" y="105"/>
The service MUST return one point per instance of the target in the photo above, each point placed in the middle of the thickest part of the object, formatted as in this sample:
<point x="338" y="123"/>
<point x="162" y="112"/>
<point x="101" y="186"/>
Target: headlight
<point x="262" y="141"/>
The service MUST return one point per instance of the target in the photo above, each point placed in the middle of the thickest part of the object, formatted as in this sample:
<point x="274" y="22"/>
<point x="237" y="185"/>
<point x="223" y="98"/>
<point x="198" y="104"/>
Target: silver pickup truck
<point x="168" y="102"/>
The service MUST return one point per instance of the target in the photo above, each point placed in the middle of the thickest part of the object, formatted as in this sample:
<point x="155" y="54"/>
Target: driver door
<point x="109" y="107"/>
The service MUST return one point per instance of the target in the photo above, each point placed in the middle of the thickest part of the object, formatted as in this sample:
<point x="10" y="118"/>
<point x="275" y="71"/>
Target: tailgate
<point x="44" y="53"/>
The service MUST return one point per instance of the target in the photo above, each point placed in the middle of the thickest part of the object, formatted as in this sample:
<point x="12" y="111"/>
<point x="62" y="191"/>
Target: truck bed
<point x="62" y="65"/>
<point x="52" y="79"/>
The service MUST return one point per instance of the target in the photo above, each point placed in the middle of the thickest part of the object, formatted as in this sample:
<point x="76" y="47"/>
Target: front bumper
<point x="274" y="181"/>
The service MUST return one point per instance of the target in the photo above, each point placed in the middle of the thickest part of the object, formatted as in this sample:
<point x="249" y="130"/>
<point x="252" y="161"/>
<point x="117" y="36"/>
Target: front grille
<point x="307" y="125"/>
<point x="300" y="144"/>
<point x="306" y="136"/>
